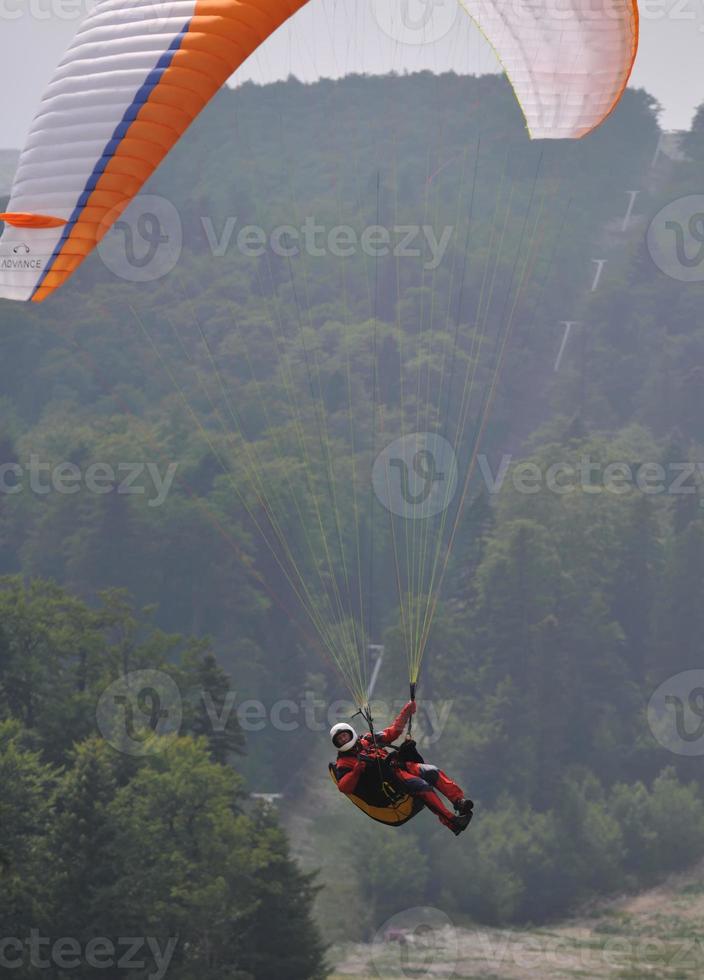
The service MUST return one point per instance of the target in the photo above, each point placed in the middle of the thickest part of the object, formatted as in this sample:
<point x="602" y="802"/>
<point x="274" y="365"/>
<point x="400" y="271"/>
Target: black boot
<point x="464" y="806"/>
<point x="459" y="824"/>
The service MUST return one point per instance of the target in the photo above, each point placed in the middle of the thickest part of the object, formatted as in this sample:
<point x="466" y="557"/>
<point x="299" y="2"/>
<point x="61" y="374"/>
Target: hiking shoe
<point x="459" y="824"/>
<point x="464" y="806"/>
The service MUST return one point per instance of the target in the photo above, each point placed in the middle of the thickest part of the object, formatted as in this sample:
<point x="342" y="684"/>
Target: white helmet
<point x="343" y="727"/>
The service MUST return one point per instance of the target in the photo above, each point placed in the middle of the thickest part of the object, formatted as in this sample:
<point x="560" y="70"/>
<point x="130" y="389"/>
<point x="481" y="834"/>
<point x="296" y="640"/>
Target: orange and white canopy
<point x="139" y="71"/>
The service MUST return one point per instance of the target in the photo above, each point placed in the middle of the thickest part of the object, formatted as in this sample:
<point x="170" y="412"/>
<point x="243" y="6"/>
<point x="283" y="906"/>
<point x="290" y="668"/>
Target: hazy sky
<point x="333" y="37"/>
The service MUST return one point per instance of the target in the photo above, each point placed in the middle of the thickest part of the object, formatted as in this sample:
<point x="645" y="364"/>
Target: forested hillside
<point x="561" y="611"/>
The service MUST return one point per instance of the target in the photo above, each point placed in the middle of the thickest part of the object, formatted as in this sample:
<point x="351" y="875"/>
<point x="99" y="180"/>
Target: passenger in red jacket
<point x="355" y="752"/>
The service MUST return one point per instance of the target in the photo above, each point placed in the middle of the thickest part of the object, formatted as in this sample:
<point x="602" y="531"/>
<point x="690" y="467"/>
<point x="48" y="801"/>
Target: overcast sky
<point x="333" y="37"/>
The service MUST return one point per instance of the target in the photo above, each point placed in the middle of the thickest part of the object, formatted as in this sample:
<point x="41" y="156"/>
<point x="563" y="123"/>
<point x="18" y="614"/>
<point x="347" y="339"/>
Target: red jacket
<point x="349" y="766"/>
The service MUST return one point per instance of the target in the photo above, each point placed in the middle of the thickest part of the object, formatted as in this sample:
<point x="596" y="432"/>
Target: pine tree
<point x="26" y="785"/>
<point x="681" y="625"/>
<point x="636" y="582"/>
<point x="282" y="939"/>
<point x="693" y="141"/>
<point x="209" y="705"/>
<point x="81" y="868"/>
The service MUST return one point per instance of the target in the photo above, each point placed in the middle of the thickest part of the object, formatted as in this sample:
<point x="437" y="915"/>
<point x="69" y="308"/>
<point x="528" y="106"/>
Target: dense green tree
<point x="79" y="846"/>
<point x="209" y="704"/>
<point x="281" y="936"/>
<point x="192" y="866"/>
<point x="26" y="787"/>
<point x="636" y="581"/>
<point x="693" y="141"/>
<point x="682" y="618"/>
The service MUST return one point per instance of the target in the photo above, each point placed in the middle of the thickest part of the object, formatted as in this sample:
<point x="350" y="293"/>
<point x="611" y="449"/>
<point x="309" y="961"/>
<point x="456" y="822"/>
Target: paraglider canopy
<point x="140" y="71"/>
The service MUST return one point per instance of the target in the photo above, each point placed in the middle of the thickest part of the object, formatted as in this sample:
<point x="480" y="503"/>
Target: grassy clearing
<point x="658" y="933"/>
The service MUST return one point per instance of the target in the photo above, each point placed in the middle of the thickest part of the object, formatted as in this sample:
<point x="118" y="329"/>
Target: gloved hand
<point x="409" y="708"/>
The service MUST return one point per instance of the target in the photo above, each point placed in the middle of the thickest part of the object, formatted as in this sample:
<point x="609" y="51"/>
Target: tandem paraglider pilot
<point x="391" y="784"/>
